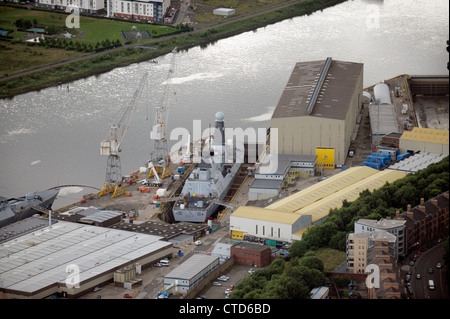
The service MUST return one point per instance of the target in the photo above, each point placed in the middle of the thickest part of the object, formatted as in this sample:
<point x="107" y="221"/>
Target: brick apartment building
<point x="251" y="254"/>
<point x="426" y="222"/>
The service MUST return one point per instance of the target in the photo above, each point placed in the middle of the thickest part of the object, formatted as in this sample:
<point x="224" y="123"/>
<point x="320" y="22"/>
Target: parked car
<point x="216" y="283"/>
<point x="227" y="291"/>
<point x="198" y="242"/>
<point x="408" y="277"/>
<point x="251" y="271"/>
<point x="411" y="263"/>
<point x="128" y="296"/>
<point x="223" y="278"/>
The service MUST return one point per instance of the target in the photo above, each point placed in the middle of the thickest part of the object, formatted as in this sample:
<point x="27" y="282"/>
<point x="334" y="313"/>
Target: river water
<point x="52" y="137"/>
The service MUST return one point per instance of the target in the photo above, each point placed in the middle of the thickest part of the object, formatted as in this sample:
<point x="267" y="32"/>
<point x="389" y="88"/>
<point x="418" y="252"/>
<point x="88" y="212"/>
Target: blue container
<point x="402" y="156"/>
<point x="372" y="165"/>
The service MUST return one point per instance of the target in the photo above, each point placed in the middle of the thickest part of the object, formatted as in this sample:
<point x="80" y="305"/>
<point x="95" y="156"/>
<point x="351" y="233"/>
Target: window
<point x="264" y="230"/>
<point x="279" y="234"/>
<point x="256" y="230"/>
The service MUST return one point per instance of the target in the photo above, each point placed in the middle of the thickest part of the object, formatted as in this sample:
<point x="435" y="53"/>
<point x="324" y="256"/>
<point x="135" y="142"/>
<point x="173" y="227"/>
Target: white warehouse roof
<point x="38" y="260"/>
<point x="191" y="267"/>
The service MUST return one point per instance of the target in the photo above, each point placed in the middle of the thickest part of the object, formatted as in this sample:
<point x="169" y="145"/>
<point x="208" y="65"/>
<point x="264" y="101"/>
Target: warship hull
<point x="200" y="215"/>
<point x="15" y="209"/>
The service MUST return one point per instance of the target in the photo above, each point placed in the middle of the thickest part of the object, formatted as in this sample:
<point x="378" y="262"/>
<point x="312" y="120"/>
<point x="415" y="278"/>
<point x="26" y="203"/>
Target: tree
<point x="339" y="241"/>
<point x="312" y="262"/>
<point x="298" y="249"/>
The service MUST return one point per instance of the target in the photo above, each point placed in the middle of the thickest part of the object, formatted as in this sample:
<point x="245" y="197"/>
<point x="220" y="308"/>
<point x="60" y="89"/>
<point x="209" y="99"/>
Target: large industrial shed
<point x="287" y="219"/>
<point x="49" y="260"/>
<point x="319" y="108"/>
<point x="190" y="273"/>
<point x="383" y="119"/>
<point x="425" y="140"/>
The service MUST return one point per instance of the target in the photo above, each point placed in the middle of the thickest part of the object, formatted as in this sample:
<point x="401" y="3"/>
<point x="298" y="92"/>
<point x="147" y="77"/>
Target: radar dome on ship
<point x="219" y="116"/>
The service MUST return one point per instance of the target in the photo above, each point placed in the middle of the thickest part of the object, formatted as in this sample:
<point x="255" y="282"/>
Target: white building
<point x="91" y="6"/>
<point x="224" y="11"/>
<point x="151" y="10"/>
<point x="395" y="227"/>
<point x="190" y="273"/>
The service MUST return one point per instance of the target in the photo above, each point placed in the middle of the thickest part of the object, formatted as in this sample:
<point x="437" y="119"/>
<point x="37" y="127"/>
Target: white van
<point x="164" y="262"/>
<point x="431" y="284"/>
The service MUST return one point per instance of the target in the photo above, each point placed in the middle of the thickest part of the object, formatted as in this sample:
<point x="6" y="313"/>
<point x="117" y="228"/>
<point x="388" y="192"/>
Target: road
<point x="428" y="259"/>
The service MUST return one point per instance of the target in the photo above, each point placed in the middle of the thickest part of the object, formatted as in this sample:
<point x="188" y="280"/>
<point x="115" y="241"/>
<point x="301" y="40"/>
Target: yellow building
<point x="425" y="140"/>
<point x="325" y="157"/>
<point x="287" y="219"/>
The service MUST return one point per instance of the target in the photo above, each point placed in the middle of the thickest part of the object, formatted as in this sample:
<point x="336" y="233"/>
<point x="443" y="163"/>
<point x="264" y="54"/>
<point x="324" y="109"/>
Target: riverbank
<point x="97" y="63"/>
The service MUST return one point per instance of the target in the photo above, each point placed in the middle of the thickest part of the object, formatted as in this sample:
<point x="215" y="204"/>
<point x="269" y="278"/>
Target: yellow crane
<point x="111" y="146"/>
<point x="160" y="157"/>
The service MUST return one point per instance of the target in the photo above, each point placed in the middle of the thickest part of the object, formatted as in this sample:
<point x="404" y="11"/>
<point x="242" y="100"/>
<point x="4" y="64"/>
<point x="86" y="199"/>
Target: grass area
<point x="93" y="29"/>
<point x="99" y="30"/>
<point x="331" y="258"/>
<point x="76" y="70"/>
<point x="20" y="57"/>
<point x="206" y="7"/>
<point x="110" y="60"/>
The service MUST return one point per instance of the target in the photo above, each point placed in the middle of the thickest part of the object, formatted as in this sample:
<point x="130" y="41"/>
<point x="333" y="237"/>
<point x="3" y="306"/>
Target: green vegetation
<point x="91" y="29"/>
<point x="18" y="85"/>
<point x="292" y="279"/>
<point x="19" y="56"/>
<point x="322" y="248"/>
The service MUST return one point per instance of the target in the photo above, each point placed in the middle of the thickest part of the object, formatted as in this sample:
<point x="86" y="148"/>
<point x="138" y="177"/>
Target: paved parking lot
<point x="236" y="274"/>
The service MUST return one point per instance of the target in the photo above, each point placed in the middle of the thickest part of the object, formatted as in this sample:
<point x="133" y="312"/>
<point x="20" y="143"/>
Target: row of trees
<point x="79" y="46"/>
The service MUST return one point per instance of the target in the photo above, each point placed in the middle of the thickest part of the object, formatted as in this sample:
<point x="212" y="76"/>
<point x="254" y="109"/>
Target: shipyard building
<point x="287" y="219"/>
<point x="71" y="258"/>
<point x="318" y="110"/>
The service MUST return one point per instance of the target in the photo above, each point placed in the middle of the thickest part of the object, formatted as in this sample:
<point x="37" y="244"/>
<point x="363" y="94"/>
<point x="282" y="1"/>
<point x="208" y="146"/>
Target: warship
<point x="15" y="209"/>
<point x="210" y="181"/>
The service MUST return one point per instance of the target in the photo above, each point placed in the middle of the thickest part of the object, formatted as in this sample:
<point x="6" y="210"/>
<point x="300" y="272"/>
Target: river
<point x="52" y="137"/>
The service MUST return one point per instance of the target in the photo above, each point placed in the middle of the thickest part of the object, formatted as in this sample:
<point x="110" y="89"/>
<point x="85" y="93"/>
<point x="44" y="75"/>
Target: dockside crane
<point x="160" y="158"/>
<point x="111" y="146"/>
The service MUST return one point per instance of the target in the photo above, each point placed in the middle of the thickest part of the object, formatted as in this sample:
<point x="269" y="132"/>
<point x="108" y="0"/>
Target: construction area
<point x="141" y="235"/>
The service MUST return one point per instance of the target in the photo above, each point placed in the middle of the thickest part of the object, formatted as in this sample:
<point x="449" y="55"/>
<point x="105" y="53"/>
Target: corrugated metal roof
<point x="426" y="135"/>
<point x="417" y="162"/>
<point x="318" y="204"/>
<point x="321" y="208"/>
<point x="334" y="97"/>
<point x="38" y="260"/>
<point x="191" y="267"/>
<point x="323" y="189"/>
<point x="266" y="214"/>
